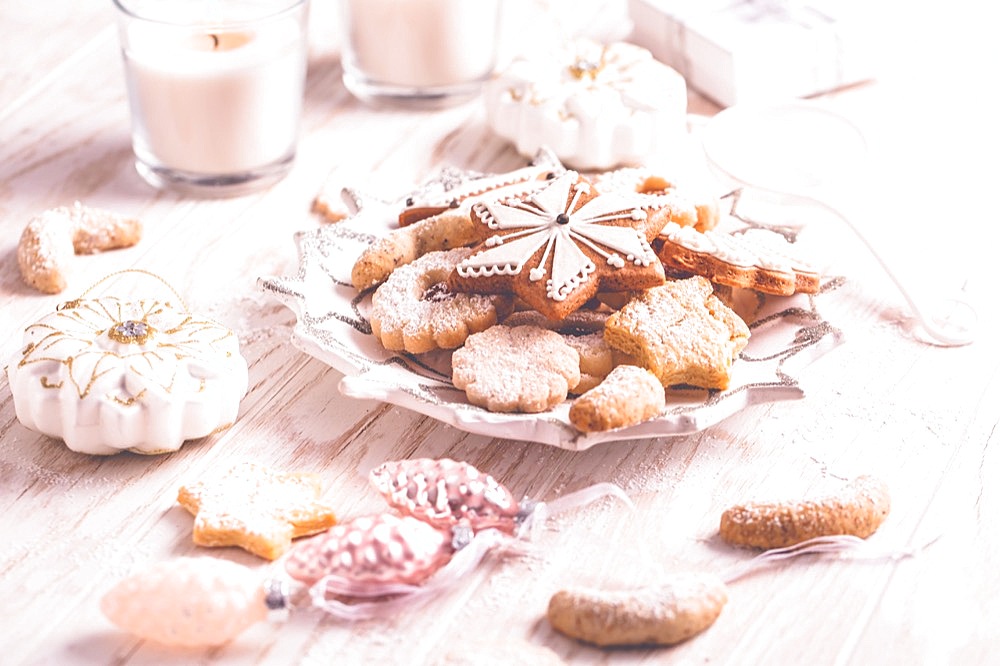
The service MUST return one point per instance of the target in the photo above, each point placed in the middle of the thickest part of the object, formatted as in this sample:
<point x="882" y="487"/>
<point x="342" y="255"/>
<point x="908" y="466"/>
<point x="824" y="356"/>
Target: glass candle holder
<point x="418" y="52"/>
<point x="215" y="89"/>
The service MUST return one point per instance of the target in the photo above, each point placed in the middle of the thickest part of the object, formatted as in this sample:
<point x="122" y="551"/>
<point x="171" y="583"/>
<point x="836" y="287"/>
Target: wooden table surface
<point x="922" y="418"/>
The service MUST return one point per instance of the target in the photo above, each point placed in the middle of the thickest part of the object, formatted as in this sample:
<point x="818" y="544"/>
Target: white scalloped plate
<point x="332" y="325"/>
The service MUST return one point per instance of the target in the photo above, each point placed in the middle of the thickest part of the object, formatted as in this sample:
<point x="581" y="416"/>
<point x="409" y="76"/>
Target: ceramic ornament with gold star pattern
<point x="106" y="375"/>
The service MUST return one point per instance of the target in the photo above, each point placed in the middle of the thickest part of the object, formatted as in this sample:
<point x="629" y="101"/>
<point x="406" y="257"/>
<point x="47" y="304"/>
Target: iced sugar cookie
<point x="559" y="247"/>
<point x="757" y="259"/>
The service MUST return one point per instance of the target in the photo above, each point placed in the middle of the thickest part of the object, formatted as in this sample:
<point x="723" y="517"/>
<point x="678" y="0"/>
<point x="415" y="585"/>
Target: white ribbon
<point x="542" y="510"/>
<point x="384" y="599"/>
<point x="844" y="545"/>
<point x="402" y="596"/>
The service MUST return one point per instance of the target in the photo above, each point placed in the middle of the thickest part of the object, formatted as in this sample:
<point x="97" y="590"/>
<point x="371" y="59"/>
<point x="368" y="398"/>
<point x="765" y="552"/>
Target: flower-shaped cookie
<point x="520" y="369"/>
<point x="107" y="375"/>
<point x="256" y="508"/>
<point x="560" y="246"/>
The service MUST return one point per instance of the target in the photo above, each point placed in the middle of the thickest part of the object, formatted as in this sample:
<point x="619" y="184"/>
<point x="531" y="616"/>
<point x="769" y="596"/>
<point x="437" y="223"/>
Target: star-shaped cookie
<point x="681" y="332"/>
<point x="558" y="247"/>
<point x="256" y="508"/>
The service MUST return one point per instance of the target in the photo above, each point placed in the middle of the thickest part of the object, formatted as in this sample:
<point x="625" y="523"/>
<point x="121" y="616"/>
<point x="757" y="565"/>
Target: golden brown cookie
<point x="757" y="259"/>
<point x="519" y="369"/>
<point x="329" y="208"/>
<point x="50" y="240"/>
<point x="557" y="248"/>
<point x="665" y="614"/>
<point x="858" y="509"/>
<point x="684" y="206"/>
<point x="415" y="311"/>
<point x="627" y="396"/>
<point x="596" y="356"/>
<point x="256" y="508"/>
<point x="445" y="231"/>
<point x="681" y="332"/>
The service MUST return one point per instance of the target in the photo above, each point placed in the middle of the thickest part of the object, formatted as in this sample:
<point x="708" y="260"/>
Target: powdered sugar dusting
<point x="268" y="508"/>
<point x="414" y="310"/>
<point x="51" y="238"/>
<point x="524" y="368"/>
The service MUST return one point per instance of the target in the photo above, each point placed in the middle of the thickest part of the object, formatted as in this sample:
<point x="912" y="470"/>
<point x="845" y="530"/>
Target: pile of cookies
<point x="548" y="284"/>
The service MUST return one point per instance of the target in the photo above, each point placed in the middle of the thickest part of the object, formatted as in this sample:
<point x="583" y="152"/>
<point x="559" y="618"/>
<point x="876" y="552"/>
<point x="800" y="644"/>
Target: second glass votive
<point x="215" y="90"/>
<point x="419" y="52"/>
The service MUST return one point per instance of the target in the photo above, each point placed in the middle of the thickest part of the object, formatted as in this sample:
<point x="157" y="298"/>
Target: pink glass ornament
<point x="191" y="602"/>
<point x="366" y="554"/>
<point x="445" y="493"/>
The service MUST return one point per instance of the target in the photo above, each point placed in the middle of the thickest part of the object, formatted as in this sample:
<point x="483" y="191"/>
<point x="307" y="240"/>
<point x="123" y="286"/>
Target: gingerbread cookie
<point x="256" y="508"/>
<point x="520" y="369"/>
<point x="413" y="310"/>
<point x="50" y="240"/>
<point x="559" y="247"/>
<point x="757" y="259"/>
<point x="627" y="396"/>
<point x="438" y="216"/>
<point x="681" y="332"/>
<point x="454" y="188"/>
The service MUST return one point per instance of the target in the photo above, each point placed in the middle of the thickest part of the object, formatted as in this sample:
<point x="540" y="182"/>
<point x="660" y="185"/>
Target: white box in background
<point x="736" y="51"/>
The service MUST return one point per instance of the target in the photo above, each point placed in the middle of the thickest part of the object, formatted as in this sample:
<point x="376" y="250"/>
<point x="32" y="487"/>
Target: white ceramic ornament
<point x="596" y="106"/>
<point x="106" y="375"/>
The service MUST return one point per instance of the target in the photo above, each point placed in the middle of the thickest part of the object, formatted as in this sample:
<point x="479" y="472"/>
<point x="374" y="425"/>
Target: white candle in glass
<point x="419" y="46"/>
<point x="217" y="99"/>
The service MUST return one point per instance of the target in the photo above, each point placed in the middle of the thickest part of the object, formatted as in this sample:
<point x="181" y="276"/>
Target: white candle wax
<point x="421" y="43"/>
<point x="215" y="102"/>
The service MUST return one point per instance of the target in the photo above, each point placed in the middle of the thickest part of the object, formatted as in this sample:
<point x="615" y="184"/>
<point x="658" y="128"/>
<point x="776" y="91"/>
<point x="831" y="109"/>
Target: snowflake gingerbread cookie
<point x="558" y="247"/>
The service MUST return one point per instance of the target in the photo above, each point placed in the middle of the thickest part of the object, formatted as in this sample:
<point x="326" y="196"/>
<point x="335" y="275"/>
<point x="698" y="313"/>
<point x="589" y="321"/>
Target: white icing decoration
<point x="467" y="191"/>
<point x="757" y="248"/>
<point x="535" y="224"/>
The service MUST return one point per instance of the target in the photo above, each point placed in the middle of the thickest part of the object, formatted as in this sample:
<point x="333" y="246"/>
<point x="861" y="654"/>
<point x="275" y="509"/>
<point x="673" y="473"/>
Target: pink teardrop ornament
<point x="191" y="602"/>
<point x="366" y="554"/>
<point x="445" y="493"/>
